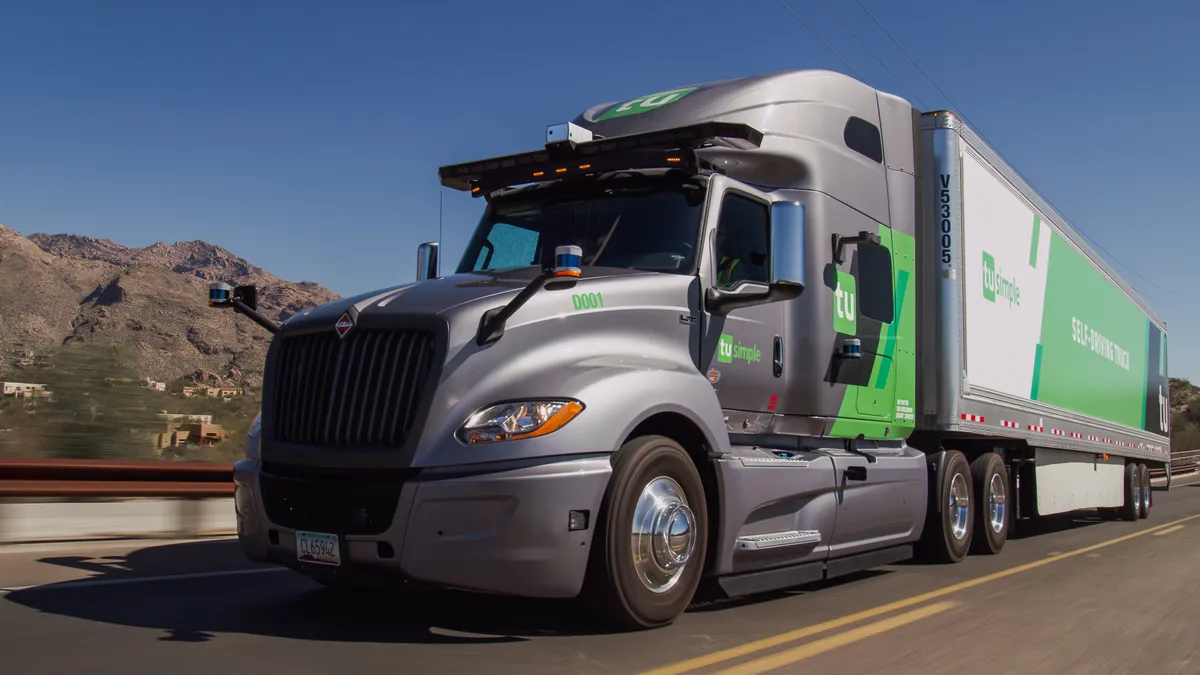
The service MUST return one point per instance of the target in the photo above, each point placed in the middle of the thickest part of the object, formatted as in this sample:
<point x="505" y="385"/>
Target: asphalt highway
<point x="1073" y="595"/>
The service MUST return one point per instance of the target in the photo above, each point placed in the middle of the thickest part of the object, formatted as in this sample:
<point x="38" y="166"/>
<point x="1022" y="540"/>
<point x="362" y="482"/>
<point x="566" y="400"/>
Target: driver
<point x="728" y="263"/>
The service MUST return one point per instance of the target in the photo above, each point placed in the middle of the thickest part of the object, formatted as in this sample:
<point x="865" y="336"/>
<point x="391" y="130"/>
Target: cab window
<point x="741" y="252"/>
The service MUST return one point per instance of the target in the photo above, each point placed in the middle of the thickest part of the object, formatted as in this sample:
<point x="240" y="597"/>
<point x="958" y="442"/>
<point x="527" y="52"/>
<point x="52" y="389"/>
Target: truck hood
<point x="434" y="296"/>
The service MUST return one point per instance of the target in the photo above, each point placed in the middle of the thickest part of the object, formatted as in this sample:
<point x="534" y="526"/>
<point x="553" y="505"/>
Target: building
<point x="178" y="430"/>
<point x="182" y="418"/>
<point x="224" y="393"/>
<point x="23" y="390"/>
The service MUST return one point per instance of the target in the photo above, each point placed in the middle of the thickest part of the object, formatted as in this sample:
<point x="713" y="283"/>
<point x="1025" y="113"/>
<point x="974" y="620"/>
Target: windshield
<point x="633" y="223"/>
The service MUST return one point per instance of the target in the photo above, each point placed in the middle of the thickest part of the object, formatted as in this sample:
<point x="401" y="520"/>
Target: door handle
<point x="778" y="361"/>
<point x="856" y="473"/>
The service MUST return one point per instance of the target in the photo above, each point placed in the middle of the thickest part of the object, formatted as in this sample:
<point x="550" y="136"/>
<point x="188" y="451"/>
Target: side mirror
<point x="789" y="229"/>
<point x="840" y="242"/>
<point x="788" y="269"/>
<point x="427" y="261"/>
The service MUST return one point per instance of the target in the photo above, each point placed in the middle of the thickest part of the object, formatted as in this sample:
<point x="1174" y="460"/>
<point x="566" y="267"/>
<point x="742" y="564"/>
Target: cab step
<point x="777" y="539"/>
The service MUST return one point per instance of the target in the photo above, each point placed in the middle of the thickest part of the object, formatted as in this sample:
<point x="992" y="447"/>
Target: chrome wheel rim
<point x="664" y="534"/>
<point x="1137" y="488"/>
<point x="997" y="508"/>
<point x="1145" y="490"/>
<point x="959" y="505"/>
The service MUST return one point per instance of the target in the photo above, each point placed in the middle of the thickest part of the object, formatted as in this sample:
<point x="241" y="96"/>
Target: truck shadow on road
<point x="280" y="603"/>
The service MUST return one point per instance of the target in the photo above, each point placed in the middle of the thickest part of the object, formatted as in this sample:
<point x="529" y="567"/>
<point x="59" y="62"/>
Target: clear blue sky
<point x="306" y="137"/>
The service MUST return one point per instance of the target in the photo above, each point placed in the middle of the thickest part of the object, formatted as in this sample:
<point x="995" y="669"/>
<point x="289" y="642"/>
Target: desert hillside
<point x="62" y="288"/>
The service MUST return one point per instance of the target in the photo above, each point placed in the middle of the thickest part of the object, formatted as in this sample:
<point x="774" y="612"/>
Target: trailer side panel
<point x="1055" y="347"/>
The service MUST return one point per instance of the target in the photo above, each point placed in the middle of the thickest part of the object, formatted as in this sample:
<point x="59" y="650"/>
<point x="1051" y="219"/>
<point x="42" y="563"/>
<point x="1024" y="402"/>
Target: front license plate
<point x="318" y="548"/>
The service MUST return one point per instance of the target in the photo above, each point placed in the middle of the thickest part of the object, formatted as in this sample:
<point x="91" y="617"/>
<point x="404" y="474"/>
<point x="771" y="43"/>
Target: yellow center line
<point x="797" y="654"/>
<point x="801" y="633"/>
<point x="1169" y="530"/>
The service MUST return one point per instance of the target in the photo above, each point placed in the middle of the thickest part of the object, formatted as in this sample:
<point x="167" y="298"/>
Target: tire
<point x="948" y="532"/>
<point x="1133" y="480"/>
<point x="992" y="514"/>
<point x="1146" y="503"/>
<point x="643" y="467"/>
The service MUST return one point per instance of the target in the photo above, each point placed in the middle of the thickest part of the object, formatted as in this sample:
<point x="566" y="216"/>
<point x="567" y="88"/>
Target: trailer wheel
<point x="992" y="514"/>
<point x="949" y="523"/>
<point x="1133" y="492"/>
<point x="1145" y="503"/>
<point x="652" y="536"/>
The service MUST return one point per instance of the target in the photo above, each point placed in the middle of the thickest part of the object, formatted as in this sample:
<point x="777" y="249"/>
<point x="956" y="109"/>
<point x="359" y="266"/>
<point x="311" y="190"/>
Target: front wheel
<point x="650" y="545"/>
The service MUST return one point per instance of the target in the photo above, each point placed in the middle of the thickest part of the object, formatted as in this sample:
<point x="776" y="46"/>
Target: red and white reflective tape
<point x="1034" y="427"/>
<point x="1108" y="440"/>
<point x="1057" y="432"/>
<point x="1010" y="425"/>
<point x="1093" y="438"/>
<point x="1076" y="435"/>
<point x="972" y="418"/>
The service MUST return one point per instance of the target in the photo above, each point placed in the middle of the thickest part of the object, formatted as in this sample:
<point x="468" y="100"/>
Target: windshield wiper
<point x="491" y="324"/>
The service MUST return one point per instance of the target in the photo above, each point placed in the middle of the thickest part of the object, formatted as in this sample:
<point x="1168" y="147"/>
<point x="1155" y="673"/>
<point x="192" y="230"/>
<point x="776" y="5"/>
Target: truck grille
<point x="359" y="390"/>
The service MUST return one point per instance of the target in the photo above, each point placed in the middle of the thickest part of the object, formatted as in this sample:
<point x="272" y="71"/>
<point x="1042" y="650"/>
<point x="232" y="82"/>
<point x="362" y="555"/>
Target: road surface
<point x="1076" y="596"/>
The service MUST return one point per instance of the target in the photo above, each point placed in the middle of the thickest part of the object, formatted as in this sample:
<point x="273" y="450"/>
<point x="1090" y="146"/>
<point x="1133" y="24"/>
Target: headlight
<point x="254" y="438"/>
<point x="518" y="419"/>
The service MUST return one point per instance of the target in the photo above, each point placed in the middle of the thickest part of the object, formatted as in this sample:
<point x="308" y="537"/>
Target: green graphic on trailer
<point x="1093" y="356"/>
<point x="996" y="285"/>
<point x="884" y="406"/>
<point x="646" y="103"/>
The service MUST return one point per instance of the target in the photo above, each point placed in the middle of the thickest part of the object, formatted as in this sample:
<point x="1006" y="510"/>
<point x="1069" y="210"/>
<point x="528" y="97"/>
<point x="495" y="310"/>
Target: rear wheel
<point x="650" y="545"/>
<point x="1145" y="503"/>
<point x="1133" y="492"/>
<point x="950" y="521"/>
<point x="992" y="519"/>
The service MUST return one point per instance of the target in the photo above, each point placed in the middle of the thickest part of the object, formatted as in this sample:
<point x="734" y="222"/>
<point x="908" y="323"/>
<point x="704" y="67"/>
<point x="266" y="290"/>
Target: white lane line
<point x="103" y="544"/>
<point x="97" y="583"/>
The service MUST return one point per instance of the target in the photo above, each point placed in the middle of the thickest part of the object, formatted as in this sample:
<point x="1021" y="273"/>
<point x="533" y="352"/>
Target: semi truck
<point x="742" y="335"/>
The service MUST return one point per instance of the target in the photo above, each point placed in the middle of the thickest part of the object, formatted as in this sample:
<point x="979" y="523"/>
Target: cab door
<point x="738" y="347"/>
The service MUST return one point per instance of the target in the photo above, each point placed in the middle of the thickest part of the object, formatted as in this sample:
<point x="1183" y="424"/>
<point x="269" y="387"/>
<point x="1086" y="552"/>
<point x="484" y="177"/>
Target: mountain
<point x="62" y="288"/>
<point x="1185" y="415"/>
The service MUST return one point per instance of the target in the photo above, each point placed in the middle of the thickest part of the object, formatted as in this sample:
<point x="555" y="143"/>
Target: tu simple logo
<point x="845" y="304"/>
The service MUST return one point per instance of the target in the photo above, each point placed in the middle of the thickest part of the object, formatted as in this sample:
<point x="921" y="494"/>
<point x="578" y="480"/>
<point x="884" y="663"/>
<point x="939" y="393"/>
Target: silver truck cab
<point x="629" y="381"/>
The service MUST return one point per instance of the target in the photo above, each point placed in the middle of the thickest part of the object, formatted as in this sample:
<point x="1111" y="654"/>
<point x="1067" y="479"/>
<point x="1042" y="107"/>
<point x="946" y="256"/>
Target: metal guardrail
<point x="1186" y="461"/>
<point x="108" y="478"/>
<point x="201" y="480"/>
